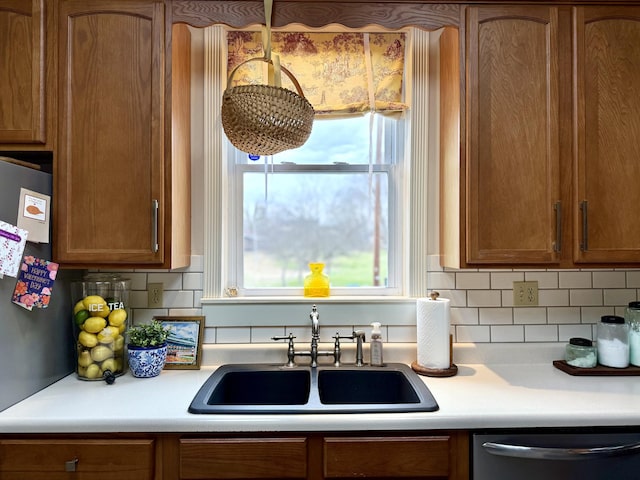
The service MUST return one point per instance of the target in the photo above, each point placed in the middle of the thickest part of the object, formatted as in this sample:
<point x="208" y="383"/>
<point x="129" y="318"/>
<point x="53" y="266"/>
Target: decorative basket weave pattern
<point x="264" y="119"/>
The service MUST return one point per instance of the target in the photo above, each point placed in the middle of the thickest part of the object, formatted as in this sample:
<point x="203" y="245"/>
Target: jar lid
<point x="611" y="319"/>
<point x="634" y="305"/>
<point x="581" y="342"/>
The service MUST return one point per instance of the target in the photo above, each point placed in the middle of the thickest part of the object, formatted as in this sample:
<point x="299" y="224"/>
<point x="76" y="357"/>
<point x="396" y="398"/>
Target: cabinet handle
<point x="558" y="209"/>
<point x="552" y="453"/>
<point x="155" y="206"/>
<point x="584" y="245"/>
<point x="70" y="466"/>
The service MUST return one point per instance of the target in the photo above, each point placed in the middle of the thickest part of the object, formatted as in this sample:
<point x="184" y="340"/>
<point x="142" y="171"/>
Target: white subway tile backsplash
<point x="633" y="279"/>
<point x="593" y="314"/>
<point x="464" y="316"/>
<point x="192" y="281"/>
<point x="484" y="298"/>
<point x="575" y="280"/>
<point x="590" y="297"/>
<point x="496" y="316"/>
<point x="566" y="332"/>
<point x="619" y="296"/>
<point x="177" y="299"/>
<point x="233" y="335"/>
<point x="473" y="280"/>
<point x="473" y="334"/>
<point x="529" y="316"/>
<point x="563" y="315"/>
<point x="553" y="298"/>
<point x="544" y="279"/>
<point x="540" y="333"/>
<point x="504" y="280"/>
<point x="609" y="279"/>
<point x="507" y="333"/>
<point x="571" y="303"/>
<point x="441" y="280"/>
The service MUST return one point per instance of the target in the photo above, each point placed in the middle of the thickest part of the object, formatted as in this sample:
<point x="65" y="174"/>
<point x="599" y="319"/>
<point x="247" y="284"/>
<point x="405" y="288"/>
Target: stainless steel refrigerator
<point x="35" y="346"/>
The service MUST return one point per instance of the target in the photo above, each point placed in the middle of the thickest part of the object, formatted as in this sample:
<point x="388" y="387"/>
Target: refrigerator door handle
<point x="552" y="453"/>
<point x="155" y="206"/>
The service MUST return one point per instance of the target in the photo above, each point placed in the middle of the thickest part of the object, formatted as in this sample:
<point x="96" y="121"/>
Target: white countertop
<point x="523" y="391"/>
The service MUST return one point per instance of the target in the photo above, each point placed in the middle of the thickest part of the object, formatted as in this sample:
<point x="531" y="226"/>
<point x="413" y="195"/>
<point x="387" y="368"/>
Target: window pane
<point x="332" y="140"/>
<point x="339" y="219"/>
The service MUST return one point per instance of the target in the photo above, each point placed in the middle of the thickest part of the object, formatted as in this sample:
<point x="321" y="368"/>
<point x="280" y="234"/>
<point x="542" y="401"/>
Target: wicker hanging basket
<point x="265" y="119"/>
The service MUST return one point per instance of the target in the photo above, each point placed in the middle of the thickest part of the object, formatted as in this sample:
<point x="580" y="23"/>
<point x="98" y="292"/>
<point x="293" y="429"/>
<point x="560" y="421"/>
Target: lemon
<point x="118" y="344"/>
<point x="84" y="359"/>
<point x="100" y="353"/>
<point x="117" y="317"/>
<point x="87" y="339"/>
<point x="93" y="371"/>
<point x="108" y="334"/>
<point x="81" y="316"/>
<point x="109" y="364"/>
<point x="96" y="305"/>
<point x="94" y="324"/>
<point x="79" y="306"/>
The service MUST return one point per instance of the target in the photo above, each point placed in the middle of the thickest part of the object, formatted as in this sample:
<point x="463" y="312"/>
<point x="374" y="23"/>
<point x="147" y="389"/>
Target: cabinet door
<point x="393" y="457"/>
<point x="22" y="71"/>
<point x="607" y="129"/>
<point x="110" y="198"/>
<point x="512" y="171"/>
<point x="58" y="459"/>
<point x="243" y="458"/>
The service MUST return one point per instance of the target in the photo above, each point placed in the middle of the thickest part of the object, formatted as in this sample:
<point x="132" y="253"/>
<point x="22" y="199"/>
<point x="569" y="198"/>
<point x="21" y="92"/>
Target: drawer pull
<point x="70" y="466"/>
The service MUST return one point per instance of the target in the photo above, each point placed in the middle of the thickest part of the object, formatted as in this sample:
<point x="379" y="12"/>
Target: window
<point x="282" y="182"/>
<point x="323" y="202"/>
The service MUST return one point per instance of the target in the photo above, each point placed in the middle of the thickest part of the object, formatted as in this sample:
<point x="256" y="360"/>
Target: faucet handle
<point x="291" y="353"/>
<point x="289" y="337"/>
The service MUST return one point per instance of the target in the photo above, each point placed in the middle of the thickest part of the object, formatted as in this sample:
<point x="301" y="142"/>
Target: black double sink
<point x="271" y="389"/>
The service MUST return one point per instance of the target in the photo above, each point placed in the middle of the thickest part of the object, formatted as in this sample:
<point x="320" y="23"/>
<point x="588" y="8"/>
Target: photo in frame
<point x="184" y="345"/>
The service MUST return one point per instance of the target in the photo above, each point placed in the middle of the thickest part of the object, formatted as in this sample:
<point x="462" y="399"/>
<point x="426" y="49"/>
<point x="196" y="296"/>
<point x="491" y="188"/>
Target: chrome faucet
<point x="314" y="353"/>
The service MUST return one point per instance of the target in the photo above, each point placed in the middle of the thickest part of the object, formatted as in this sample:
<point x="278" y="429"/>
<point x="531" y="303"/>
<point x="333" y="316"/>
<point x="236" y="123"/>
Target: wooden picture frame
<point x="184" y="345"/>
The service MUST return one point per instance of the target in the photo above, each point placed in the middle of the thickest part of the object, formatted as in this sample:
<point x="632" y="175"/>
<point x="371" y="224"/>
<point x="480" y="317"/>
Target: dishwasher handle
<point x="554" y="453"/>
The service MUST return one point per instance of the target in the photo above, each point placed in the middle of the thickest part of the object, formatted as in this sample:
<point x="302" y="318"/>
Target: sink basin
<point x="257" y="388"/>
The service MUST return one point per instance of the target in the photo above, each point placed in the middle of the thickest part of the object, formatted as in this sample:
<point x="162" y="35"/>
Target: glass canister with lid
<point x="100" y="320"/>
<point x="632" y="316"/>
<point x="581" y="353"/>
<point x="613" y="342"/>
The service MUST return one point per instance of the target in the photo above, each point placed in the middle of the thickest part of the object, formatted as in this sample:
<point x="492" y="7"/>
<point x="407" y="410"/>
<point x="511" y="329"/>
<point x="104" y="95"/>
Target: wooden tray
<point x="598" y="370"/>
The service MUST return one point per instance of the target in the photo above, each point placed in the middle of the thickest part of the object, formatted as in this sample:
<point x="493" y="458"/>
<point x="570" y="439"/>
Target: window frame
<point x="393" y="131"/>
<point x="422" y="172"/>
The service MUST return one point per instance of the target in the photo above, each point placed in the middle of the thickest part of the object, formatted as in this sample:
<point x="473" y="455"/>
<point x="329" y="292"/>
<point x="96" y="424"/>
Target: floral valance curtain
<point x="340" y="73"/>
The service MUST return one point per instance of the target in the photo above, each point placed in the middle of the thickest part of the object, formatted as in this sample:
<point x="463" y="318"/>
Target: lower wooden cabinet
<point x="417" y="455"/>
<point x="77" y="458"/>
<point x="299" y="456"/>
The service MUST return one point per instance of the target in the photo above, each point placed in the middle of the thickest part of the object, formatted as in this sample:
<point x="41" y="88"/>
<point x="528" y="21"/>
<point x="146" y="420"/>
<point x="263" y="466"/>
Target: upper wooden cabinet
<point x="512" y="148"/>
<point x="550" y="152"/>
<point x="23" y="71"/>
<point x="607" y="134"/>
<point x="119" y="188"/>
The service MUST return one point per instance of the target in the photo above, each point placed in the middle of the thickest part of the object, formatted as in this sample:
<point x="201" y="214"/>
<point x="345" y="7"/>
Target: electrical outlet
<point x="525" y="294"/>
<point x="154" y="290"/>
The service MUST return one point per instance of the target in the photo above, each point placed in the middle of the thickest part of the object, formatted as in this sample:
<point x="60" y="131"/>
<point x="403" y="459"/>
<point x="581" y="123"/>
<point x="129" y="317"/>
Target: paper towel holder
<point x="437" y="372"/>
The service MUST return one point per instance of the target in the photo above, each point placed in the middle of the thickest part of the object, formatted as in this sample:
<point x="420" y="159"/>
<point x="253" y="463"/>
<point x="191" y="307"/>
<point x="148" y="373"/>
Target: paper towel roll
<point x="432" y="318"/>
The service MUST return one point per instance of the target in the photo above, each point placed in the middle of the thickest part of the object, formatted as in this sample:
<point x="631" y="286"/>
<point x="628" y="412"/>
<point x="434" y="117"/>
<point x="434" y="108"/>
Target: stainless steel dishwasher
<point x="591" y="455"/>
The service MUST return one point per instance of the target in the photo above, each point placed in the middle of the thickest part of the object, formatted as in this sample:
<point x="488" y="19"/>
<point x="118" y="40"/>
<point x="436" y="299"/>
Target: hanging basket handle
<point x="263" y="59"/>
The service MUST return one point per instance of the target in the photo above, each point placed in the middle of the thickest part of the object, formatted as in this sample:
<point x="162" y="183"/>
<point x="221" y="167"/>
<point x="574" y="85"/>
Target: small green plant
<point x="151" y="334"/>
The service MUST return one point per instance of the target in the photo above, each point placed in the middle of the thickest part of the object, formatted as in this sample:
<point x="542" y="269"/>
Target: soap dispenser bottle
<point x="376" y="345"/>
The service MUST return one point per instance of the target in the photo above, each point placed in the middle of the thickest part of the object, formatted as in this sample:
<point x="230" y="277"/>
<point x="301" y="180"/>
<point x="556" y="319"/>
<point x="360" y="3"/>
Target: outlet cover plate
<point x="155" y="291"/>
<point x="525" y="294"/>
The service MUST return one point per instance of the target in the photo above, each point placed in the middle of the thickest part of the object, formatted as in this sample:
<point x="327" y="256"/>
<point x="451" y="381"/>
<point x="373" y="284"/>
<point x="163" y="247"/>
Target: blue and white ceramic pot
<point x="146" y="362"/>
